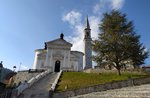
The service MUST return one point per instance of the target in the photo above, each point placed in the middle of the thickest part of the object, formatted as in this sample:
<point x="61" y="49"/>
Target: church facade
<point x="57" y="55"/>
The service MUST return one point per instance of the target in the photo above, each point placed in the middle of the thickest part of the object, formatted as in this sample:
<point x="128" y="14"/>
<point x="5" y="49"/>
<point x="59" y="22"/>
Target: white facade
<point x="58" y="56"/>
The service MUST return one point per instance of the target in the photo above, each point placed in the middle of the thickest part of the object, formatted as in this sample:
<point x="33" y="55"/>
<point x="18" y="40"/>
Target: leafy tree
<point x="118" y="43"/>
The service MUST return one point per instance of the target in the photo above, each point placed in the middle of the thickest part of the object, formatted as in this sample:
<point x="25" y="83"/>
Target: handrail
<point x="27" y="84"/>
<point x="56" y="81"/>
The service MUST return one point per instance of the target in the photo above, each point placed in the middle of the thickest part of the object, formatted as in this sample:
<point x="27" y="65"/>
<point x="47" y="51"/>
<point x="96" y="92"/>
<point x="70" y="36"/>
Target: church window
<point x="87" y="33"/>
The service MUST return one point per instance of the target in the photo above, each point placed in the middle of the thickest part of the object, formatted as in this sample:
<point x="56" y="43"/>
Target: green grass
<point x="74" y="80"/>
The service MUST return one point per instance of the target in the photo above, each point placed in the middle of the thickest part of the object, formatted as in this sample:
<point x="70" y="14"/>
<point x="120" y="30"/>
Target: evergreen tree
<point x="118" y="43"/>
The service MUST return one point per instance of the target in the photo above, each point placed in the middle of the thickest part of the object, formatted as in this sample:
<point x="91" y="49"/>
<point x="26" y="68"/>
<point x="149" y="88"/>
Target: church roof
<point x="59" y="41"/>
<point x="77" y="52"/>
<point x="41" y="51"/>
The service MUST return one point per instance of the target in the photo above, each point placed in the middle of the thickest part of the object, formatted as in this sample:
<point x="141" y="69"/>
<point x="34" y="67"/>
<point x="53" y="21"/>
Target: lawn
<point x="74" y="80"/>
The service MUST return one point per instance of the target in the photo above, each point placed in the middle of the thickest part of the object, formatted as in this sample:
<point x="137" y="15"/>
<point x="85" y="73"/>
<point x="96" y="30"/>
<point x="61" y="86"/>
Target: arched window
<point x="87" y="34"/>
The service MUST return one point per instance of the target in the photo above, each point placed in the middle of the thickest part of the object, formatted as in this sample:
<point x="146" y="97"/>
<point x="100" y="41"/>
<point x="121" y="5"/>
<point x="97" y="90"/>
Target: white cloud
<point x="22" y="67"/>
<point x="103" y="5"/>
<point x="94" y="24"/>
<point x="98" y="8"/>
<point x="72" y="17"/>
<point x="77" y="39"/>
<point x="117" y="4"/>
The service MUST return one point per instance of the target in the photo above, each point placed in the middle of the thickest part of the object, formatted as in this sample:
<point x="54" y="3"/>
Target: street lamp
<point x="14" y="67"/>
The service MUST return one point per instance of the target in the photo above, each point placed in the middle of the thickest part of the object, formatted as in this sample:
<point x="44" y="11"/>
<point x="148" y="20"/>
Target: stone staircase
<point x="24" y="75"/>
<point x="142" y="91"/>
<point x="41" y="88"/>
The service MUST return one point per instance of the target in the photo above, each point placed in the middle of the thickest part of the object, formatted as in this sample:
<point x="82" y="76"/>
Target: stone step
<point x="41" y="88"/>
<point x="142" y="91"/>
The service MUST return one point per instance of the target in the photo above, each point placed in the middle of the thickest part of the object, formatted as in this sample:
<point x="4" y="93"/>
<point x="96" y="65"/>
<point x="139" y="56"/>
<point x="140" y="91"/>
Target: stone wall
<point x="101" y="87"/>
<point x="26" y="84"/>
<point x="24" y="76"/>
<point x="99" y="70"/>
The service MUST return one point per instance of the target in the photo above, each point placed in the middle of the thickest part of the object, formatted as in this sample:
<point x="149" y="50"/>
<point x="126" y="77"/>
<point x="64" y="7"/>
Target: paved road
<point x="41" y="88"/>
<point x="142" y="91"/>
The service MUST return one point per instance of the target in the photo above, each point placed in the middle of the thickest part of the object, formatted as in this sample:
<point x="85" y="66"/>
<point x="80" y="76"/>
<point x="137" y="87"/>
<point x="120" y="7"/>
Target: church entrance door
<point x="57" y="66"/>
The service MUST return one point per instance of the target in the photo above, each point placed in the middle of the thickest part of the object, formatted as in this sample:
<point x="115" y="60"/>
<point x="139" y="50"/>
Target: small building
<point x="146" y="68"/>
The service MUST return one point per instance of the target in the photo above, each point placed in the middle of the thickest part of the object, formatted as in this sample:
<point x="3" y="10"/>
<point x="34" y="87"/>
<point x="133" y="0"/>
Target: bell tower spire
<point x="87" y="46"/>
<point x="87" y="30"/>
<point x="87" y="26"/>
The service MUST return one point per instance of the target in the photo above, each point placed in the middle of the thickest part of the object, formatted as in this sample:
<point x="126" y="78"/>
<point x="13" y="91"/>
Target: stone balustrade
<point x="27" y="84"/>
<point x="56" y="81"/>
<point x="22" y="87"/>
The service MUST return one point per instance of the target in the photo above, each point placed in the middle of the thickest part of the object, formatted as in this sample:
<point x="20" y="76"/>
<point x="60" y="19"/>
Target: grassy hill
<point x="74" y="80"/>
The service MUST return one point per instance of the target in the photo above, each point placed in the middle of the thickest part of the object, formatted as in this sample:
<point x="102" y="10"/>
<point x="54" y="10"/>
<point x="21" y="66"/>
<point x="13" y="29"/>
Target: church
<point x="57" y="54"/>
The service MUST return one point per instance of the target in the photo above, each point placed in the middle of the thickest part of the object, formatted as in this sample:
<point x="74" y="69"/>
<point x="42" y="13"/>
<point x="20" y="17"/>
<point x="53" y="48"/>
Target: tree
<point x="118" y="43"/>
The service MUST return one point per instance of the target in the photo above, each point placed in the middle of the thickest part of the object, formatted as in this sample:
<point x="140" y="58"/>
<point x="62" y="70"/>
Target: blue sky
<point x="26" y="24"/>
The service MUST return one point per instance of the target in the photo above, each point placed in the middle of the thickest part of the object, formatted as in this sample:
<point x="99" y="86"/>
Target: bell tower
<point x="87" y="46"/>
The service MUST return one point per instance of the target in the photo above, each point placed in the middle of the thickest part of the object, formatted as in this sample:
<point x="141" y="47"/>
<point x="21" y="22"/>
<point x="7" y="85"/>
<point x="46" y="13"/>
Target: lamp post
<point x="14" y="67"/>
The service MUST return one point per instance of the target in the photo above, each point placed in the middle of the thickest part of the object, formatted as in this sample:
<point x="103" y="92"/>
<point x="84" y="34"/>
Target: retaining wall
<point x="101" y="87"/>
<point x="24" y="76"/>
